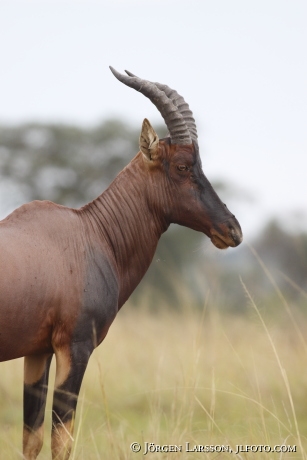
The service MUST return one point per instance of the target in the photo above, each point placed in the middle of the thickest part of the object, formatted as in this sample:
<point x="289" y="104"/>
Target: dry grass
<point x="170" y="378"/>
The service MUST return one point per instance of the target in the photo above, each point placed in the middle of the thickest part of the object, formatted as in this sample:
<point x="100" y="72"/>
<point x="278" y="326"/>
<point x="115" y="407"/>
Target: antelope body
<point x="65" y="273"/>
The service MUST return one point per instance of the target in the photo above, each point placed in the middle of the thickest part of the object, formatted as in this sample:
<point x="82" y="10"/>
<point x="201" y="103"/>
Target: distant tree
<point x="283" y="257"/>
<point x="71" y="165"/>
<point x="66" y="164"/>
<point x="285" y="254"/>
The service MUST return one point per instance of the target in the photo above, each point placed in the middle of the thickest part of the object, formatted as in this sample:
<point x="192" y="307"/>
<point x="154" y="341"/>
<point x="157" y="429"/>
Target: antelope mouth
<point x="231" y="239"/>
<point x="219" y="242"/>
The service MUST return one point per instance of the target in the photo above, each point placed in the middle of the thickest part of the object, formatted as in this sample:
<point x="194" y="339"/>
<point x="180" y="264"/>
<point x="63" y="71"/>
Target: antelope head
<point x="177" y="185"/>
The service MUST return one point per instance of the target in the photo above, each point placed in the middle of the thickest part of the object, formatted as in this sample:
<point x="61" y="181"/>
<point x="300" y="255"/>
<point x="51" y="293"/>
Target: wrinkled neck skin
<point x="126" y="226"/>
<point x="169" y="186"/>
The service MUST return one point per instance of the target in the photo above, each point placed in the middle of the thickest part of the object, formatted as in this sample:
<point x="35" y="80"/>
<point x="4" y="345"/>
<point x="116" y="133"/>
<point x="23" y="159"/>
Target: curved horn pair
<point x="173" y="108"/>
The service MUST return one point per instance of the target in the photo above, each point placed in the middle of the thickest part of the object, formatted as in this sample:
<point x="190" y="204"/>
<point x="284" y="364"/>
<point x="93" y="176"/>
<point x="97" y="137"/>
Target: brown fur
<point x="65" y="273"/>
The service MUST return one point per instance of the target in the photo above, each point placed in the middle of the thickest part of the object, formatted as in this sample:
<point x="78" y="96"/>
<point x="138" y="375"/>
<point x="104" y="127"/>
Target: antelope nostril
<point x="235" y="234"/>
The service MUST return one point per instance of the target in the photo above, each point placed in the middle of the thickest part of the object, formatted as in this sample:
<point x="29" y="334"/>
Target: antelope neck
<point x="128" y="226"/>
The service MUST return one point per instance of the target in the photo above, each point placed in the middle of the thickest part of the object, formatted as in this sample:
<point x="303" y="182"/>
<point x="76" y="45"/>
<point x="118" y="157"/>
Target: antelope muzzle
<point x="226" y="234"/>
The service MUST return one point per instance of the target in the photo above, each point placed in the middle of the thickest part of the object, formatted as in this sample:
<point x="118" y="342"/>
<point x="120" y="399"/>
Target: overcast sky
<point x="241" y="65"/>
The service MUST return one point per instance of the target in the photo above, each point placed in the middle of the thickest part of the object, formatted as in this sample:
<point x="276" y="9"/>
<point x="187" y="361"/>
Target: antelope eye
<point x="182" y="168"/>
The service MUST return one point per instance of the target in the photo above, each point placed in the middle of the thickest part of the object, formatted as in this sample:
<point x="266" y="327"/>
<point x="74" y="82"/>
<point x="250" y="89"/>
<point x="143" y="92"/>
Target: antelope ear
<point x="149" y="141"/>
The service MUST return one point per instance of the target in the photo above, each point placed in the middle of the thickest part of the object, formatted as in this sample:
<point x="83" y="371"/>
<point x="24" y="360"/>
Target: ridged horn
<point x="174" y="120"/>
<point x="179" y="101"/>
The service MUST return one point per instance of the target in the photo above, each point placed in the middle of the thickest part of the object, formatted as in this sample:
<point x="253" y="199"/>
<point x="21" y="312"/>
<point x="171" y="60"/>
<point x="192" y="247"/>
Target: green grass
<point x="171" y="378"/>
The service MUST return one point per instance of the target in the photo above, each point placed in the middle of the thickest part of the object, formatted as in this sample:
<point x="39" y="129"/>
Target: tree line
<point x="72" y="165"/>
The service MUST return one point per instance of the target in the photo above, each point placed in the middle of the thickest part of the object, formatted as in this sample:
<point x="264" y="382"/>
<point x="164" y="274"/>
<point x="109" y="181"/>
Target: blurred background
<point x="67" y="127"/>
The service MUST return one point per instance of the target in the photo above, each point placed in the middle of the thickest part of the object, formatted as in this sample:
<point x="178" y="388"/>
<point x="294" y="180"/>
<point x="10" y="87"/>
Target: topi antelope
<point x="65" y="272"/>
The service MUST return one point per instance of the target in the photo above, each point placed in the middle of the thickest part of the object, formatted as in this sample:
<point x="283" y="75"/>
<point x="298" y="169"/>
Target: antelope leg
<point x="36" y="373"/>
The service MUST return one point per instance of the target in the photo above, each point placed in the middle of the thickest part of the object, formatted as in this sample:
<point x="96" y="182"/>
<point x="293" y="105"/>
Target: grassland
<point x="203" y="377"/>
